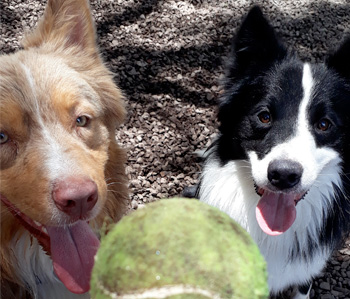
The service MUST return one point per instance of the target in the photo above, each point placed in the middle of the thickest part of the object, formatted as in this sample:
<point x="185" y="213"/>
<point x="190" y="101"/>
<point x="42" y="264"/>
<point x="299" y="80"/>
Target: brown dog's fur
<point x="57" y="78"/>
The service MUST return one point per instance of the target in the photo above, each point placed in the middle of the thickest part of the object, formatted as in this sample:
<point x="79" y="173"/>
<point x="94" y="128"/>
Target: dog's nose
<point x="75" y="196"/>
<point x="284" y="174"/>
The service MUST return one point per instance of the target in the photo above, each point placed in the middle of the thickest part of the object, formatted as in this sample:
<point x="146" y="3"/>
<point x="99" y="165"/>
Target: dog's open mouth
<point x="276" y="211"/>
<point x="72" y="248"/>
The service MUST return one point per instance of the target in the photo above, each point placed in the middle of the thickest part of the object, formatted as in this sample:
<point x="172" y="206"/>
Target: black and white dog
<point x="280" y="165"/>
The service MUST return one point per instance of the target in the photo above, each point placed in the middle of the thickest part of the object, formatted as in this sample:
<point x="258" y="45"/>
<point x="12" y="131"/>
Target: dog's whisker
<point x="115" y="183"/>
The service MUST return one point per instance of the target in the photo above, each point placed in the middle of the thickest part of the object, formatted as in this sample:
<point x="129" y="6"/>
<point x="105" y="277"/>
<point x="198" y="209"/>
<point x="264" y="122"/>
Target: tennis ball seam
<point x="160" y="292"/>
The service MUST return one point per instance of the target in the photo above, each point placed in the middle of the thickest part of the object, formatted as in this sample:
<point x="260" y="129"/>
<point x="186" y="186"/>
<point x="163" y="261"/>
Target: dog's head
<point x="289" y="119"/>
<point x="59" y="109"/>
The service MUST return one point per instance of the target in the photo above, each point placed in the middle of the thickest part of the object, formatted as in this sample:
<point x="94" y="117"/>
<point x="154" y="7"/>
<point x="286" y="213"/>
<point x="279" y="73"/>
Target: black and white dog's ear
<point x="256" y="45"/>
<point x="340" y="59"/>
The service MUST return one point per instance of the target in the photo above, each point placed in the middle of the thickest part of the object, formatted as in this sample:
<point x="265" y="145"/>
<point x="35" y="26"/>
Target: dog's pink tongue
<point x="275" y="212"/>
<point x="72" y="251"/>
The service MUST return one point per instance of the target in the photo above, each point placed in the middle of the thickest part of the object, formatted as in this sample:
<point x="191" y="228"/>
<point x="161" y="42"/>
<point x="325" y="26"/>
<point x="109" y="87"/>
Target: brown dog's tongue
<point x="72" y="251"/>
<point x="276" y="212"/>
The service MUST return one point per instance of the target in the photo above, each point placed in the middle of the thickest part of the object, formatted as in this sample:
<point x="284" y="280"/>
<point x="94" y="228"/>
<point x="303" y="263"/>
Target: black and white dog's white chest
<point x="298" y="250"/>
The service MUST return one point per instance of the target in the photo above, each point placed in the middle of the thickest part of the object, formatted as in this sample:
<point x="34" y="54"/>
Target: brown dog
<point x="62" y="172"/>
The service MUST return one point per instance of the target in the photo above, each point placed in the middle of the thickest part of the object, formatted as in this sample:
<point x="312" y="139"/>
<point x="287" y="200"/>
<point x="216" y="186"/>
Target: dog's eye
<point x="324" y="124"/>
<point x="3" y="137"/>
<point x="264" y="117"/>
<point x="82" y="121"/>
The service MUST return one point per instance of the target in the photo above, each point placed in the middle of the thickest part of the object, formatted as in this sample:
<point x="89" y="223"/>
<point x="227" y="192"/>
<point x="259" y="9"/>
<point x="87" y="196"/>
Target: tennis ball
<point x="178" y="248"/>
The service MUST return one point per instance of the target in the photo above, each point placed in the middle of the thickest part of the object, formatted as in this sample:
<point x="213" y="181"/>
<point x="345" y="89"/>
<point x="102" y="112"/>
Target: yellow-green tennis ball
<point x="178" y="248"/>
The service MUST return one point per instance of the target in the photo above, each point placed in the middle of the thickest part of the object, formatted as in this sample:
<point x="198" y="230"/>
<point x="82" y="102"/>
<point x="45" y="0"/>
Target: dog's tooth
<point x="37" y="223"/>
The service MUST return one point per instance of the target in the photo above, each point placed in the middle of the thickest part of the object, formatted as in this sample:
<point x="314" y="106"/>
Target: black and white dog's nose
<point x="284" y="174"/>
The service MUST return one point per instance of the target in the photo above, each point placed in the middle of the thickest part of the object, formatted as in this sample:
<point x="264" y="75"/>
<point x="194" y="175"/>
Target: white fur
<point x="230" y="188"/>
<point x="299" y="148"/>
<point x="35" y="269"/>
<point x="58" y="162"/>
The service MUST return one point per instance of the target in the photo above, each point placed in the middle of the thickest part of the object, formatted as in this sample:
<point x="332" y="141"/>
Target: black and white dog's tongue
<point x="72" y="251"/>
<point x="276" y="212"/>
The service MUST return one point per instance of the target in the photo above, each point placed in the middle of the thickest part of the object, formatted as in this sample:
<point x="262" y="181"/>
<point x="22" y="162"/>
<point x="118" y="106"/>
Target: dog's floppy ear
<point x="340" y="59"/>
<point x="256" y="45"/>
<point x="65" y="24"/>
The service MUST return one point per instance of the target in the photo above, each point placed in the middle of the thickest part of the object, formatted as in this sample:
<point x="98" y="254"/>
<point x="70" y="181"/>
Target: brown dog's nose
<point x="75" y="196"/>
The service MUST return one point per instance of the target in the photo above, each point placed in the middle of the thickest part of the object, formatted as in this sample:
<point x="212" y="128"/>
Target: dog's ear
<point x="340" y="59"/>
<point x="67" y="27"/>
<point x="256" y="45"/>
<point x="65" y="24"/>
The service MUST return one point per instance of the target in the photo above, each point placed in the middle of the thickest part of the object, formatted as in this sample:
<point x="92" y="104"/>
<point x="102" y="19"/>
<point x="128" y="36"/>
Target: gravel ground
<point x="168" y="58"/>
